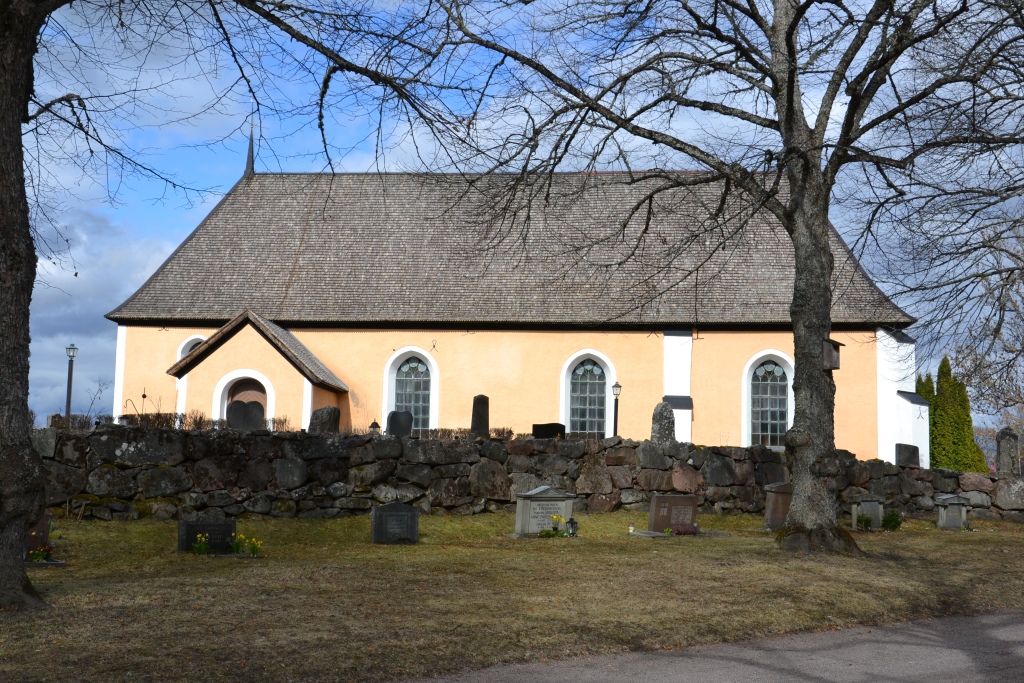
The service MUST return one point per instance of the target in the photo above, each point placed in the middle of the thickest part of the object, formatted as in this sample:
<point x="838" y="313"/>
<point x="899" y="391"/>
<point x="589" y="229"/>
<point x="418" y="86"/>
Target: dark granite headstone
<point x="39" y="535"/>
<point x="671" y="512"/>
<point x="481" y="422"/>
<point x="399" y="423"/>
<point x="549" y="430"/>
<point x="395" y="523"/>
<point x="1007" y="453"/>
<point x="325" y="420"/>
<point x="907" y="455"/>
<point x="246" y="416"/>
<point x="778" y="497"/>
<point x="220" y="535"/>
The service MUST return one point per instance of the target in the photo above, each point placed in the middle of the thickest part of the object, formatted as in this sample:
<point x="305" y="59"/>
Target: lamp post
<point x="616" y="390"/>
<point x="72" y="352"/>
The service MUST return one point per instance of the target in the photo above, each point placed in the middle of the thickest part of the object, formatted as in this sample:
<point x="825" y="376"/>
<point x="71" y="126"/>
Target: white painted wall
<point x="899" y="420"/>
<point x="678" y="353"/>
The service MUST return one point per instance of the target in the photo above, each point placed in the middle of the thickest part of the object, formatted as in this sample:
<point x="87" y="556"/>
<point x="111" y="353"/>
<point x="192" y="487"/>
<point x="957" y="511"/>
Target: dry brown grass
<point x="326" y="605"/>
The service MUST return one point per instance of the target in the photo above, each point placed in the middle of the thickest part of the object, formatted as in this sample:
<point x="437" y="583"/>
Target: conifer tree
<point x="926" y="389"/>
<point x="952" y="430"/>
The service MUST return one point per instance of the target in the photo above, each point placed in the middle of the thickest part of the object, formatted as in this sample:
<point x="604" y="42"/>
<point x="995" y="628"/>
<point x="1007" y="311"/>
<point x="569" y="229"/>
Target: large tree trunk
<point x="810" y="444"/>
<point x="21" y="480"/>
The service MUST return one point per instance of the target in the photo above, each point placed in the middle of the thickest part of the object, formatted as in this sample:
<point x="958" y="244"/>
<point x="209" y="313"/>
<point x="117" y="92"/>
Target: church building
<point x="583" y="299"/>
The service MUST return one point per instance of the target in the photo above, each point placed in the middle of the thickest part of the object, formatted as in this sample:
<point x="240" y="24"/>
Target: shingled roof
<point x="588" y="249"/>
<point x="281" y="339"/>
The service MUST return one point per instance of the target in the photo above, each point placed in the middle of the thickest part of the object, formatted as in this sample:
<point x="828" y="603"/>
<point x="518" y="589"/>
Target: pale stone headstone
<point x="778" y="497"/>
<point x="480" y="425"/>
<point x="395" y="523"/>
<point x="534" y="509"/>
<point x="952" y="512"/>
<point x="672" y="511"/>
<point x="663" y="424"/>
<point x="1007" y="453"/>
<point x="866" y="505"/>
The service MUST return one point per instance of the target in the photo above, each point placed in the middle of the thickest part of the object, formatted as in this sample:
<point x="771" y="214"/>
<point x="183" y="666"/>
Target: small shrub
<point x="864" y="522"/>
<point x="891" y="521"/>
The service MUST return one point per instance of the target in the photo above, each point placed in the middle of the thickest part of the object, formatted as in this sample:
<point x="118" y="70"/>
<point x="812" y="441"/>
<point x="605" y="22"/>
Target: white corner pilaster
<point x="122" y="337"/>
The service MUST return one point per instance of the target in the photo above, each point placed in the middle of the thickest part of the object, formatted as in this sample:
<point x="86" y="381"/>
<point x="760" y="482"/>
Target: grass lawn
<point x="324" y="604"/>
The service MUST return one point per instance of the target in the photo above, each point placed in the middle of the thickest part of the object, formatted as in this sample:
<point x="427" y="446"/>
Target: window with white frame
<point x="769" y="405"/>
<point x="587" y="398"/>
<point x="412" y="391"/>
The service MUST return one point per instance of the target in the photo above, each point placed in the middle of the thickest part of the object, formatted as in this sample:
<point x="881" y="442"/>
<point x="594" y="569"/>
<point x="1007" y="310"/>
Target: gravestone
<point x="952" y="512"/>
<point x="778" y="497"/>
<point x="907" y="455"/>
<point x="395" y="523"/>
<point x="399" y="423"/>
<point x="246" y="416"/>
<point x="1007" y="453"/>
<point x="480" y="425"/>
<point x="534" y="509"/>
<point x="325" y="420"/>
<point x="549" y="430"/>
<point x="220" y="535"/>
<point x="663" y="424"/>
<point x="866" y="505"/>
<point x="672" y="511"/>
<point x="39" y="535"/>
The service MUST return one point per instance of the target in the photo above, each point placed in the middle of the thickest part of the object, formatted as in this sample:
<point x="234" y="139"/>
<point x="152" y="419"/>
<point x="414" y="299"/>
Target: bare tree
<point x="76" y="79"/>
<point x="795" y="107"/>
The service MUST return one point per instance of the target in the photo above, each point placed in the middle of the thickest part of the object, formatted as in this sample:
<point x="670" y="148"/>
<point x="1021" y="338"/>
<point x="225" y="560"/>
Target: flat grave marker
<point x="671" y="511"/>
<point x="395" y="523"/>
<point x="220" y="533"/>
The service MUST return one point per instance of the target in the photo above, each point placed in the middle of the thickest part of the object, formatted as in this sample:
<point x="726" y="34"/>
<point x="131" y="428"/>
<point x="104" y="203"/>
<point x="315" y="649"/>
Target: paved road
<point x="988" y="648"/>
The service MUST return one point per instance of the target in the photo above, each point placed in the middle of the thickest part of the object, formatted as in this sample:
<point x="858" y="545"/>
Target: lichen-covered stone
<point x="594" y="477"/>
<point x="488" y="479"/>
<point x="372" y="473"/>
<point x="549" y="464"/>
<point x="324" y="420"/>
<point x="622" y="477"/>
<point x="290" y="474"/>
<point x="972" y="481"/>
<point x="61" y="481"/>
<point x="663" y="424"/>
<point x="718" y="470"/>
<point x="604" y="502"/>
<point x="1008" y="494"/>
<point x="686" y="479"/>
<point x="649" y="455"/>
<point x="109" y="481"/>
<point x="654" y="480"/>
<point x="283" y="508"/>
<point x="160" y="482"/>
<point x="621" y="456"/>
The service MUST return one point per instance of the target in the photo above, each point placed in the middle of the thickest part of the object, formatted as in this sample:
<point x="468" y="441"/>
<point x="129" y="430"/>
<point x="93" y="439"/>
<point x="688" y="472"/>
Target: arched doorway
<point x="247" y="405"/>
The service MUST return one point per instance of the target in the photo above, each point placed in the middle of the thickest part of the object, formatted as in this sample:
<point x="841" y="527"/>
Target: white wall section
<point x="678" y="366"/>
<point x="899" y="419"/>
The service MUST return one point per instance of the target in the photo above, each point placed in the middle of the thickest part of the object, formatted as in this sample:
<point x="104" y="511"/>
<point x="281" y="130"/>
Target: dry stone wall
<point x="121" y="472"/>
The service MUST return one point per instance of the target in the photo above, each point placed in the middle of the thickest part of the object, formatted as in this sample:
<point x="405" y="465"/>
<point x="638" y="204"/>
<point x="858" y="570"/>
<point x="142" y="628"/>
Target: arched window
<point x="412" y="391"/>
<point x="189" y="345"/>
<point x="587" y="398"/>
<point x="769" y="405"/>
